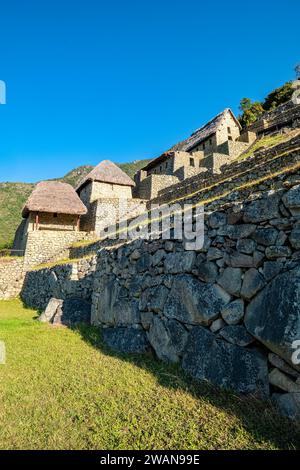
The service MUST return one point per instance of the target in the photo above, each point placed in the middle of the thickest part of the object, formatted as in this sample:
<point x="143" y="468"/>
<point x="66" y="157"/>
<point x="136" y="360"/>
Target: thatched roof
<point x="107" y="172"/>
<point x="54" y="197"/>
<point x="200" y="135"/>
<point x="205" y="131"/>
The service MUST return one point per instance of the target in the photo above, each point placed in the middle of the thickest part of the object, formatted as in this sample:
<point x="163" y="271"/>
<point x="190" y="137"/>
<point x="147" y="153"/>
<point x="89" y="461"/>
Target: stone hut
<point x="107" y="193"/>
<point x="53" y="205"/>
<point x="52" y="208"/>
<point x="105" y="180"/>
<point x="207" y="149"/>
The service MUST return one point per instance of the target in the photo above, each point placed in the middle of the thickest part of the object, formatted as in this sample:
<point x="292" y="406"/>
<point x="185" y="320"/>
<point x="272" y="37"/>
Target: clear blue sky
<point x="124" y="79"/>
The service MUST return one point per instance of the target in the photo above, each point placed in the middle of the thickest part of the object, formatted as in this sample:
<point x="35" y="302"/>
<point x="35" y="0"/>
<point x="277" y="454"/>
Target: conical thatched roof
<point x="107" y="172"/>
<point x="54" y="197"/>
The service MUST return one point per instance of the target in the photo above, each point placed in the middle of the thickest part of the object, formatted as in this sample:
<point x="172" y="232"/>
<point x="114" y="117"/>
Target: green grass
<point x="62" y="389"/>
<point x="267" y="142"/>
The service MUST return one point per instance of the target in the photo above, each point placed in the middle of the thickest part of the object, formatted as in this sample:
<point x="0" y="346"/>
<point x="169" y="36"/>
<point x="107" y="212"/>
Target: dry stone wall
<point x="263" y="163"/>
<point x="11" y="277"/>
<point x="44" y="245"/>
<point x="65" y="281"/>
<point x="229" y="312"/>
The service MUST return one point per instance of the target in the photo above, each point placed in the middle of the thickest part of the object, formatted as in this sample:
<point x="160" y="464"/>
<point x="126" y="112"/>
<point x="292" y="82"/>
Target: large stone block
<point x="291" y="200"/>
<point x="273" y="316"/>
<point x="113" y="308"/>
<point x="168" y="339"/>
<point x="262" y="209"/>
<point x="179" y="262"/>
<point x="224" y="364"/>
<point x="126" y="340"/>
<point x="231" y="280"/>
<point x="192" y="301"/>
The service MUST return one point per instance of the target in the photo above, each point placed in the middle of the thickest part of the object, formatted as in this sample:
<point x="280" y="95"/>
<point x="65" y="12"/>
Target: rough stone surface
<point x="288" y="404"/>
<point x="51" y="310"/>
<point x="180" y="262"/>
<point x="192" y="301"/>
<point x="273" y="316"/>
<point x="279" y="363"/>
<point x="231" y="280"/>
<point x="280" y="380"/>
<point x="265" y="236"/>
<point x="295" y="236"/>
<point x="126" y="340"/>
<point x="236" y="334"/>
<point x="224" y="364"/>
<point x="233" y="312"/>
<point x="168" y="339"/>
<point x="217" y="325"/>
<point x="262" y="209"/>
<point x="253" y="282"/>
<point x="73" y="312"/>
<point x="207" y="272"/>
<point x="246" y="245"/>
<point x="291" y="200"/>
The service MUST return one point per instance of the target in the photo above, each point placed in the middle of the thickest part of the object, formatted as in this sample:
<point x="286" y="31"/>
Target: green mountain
<point x="14" y="195"/>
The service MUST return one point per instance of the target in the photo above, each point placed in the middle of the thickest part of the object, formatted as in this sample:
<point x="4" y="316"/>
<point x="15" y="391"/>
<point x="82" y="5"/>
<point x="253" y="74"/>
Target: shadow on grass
<point x="258" y="417"/>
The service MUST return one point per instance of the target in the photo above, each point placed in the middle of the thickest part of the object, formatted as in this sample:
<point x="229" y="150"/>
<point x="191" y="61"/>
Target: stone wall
<point x="150" y="186"/>
<point x="11" y="277"/>
<point x="287" y="114"/>
<point x="263" y="163"/>
<point x="229" y="312"/>
<point x="43" y="246"/>
<point x="65" y="281"/>
<point x="103" y="211"/>
<point x="96" y="189"/>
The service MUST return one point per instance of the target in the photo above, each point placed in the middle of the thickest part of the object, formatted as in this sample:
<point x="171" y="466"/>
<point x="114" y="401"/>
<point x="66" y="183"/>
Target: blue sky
<point x="124" y="80"/>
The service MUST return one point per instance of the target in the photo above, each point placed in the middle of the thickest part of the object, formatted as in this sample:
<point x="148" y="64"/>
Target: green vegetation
<point x="12" y="199"/>
<point x="264" y="142"/>
<point x="251" y="111"/>
<point x="63" y="389"/>
<point x="14" y="195"/>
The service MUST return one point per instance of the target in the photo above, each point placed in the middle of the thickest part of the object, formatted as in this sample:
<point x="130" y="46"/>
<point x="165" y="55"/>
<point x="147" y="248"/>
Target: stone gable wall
<point x="150" y="186"/>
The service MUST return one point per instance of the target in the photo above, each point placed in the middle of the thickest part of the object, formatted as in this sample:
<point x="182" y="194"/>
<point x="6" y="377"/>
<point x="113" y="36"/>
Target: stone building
<point x="53" y="210"/>
<point x="107" y="193"/>
<point x="216" y="143"/>
<point x="53" y="206"/>
<point x="286" y="115"/>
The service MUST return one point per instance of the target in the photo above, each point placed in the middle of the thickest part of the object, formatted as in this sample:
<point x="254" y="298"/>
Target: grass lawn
<point x="62" y="389"/>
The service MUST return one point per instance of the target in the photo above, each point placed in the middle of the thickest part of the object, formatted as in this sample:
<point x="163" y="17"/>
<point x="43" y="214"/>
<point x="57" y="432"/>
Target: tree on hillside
<point x="245" y="104"/>
<point x="297" y="71"/>
<point x="251" y="112"/>
<point x="278" y="96"/>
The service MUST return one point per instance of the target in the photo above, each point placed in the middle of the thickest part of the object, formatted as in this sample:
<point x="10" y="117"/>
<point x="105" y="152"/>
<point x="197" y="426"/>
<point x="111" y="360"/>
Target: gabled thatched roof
<point x="54" y="197"/>
<point x="107" y="172"/>
<point x="196" y="138"/>
<point x="205" y="131"/>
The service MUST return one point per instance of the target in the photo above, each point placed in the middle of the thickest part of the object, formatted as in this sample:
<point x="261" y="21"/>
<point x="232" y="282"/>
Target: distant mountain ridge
<point x="14" y="195"/>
